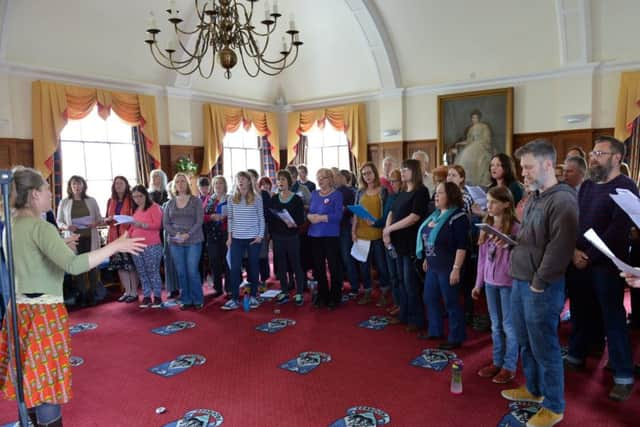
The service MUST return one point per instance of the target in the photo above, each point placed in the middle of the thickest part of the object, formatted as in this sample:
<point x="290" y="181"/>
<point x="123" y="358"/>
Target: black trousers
<point x="326" y="250"/>
<point x="217" y="254"/>
<point x="286" y="256"/>
<point x="85" y="290"/>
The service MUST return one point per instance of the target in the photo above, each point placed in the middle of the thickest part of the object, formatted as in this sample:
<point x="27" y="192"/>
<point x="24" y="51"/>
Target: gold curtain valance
<point x="220" y="119"/>
<point x="628" y="104"/>
<point x="54" y="103"/>
<point x="348" y="118"/>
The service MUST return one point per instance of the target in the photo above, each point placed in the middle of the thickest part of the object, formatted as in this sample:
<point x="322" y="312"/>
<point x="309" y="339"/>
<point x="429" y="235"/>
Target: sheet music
<point x="629" y="203"/>
<point x="478" y="195"/>
<point x="82" y="222"/>
<point x="593" y="237"/>
<point x="123" y="219"/>
<point x="284" y="215"/>
<point x="495" y="232"/>
<point x="361" y="212"/>
<point x="360" y="249"/>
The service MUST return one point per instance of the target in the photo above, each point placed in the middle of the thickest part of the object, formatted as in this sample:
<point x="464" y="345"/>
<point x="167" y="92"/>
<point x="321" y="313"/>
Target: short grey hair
<point x="422" y="154"/>
<point x="540" y="148"/>
<point x="580" y="162"/>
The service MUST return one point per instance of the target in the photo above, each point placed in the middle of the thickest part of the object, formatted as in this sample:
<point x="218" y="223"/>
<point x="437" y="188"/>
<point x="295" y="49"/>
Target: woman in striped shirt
<point x="246" y="231"/>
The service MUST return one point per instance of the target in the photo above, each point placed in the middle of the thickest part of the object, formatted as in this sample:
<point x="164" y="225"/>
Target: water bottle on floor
<point x="245" y="301"/>
<point x="456" y="376"/>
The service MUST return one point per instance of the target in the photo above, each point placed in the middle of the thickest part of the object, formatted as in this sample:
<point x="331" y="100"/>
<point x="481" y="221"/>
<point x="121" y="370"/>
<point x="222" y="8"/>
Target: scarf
<point x="116" y="231"/>
<point x="440" y="218"/>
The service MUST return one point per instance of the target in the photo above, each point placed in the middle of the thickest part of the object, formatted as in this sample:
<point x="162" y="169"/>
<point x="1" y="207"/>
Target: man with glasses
<point x="600" y="294"/>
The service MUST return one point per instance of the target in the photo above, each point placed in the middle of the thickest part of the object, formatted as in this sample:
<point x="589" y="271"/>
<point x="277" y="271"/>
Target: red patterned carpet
<point x="241" y="378"/>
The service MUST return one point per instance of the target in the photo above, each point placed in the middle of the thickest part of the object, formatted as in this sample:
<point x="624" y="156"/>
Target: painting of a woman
<point x="476" y="151"/>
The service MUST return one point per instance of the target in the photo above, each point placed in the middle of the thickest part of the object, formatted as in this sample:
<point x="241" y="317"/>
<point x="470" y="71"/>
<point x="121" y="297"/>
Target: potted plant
<point x="185" y="165"/>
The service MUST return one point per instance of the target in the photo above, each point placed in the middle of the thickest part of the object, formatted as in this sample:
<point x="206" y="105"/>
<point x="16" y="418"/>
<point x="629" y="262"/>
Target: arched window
<point x="241" y="152"/>
<point x="98" y="150"/>
<point x="326" y="148"/>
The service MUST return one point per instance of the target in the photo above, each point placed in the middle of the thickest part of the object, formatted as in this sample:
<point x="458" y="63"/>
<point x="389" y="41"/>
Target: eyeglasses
<point x="598" y="153"/>
<point x="366" y="173"/>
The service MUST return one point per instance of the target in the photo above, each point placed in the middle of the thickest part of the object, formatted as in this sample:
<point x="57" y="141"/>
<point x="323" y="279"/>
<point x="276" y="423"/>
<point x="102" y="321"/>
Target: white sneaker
<point x="230" y="305"/>
<point x="254" y="303"/>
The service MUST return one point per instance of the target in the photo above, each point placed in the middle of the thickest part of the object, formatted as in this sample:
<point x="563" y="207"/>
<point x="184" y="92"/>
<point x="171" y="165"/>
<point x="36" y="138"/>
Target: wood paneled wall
<point x="562" y="140"/>
<point x="15" y="152"/>
<point x="169" y="155"/>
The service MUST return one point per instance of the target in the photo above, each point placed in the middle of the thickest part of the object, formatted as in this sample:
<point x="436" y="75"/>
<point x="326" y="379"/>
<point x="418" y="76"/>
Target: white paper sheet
<point x="82" y="222"/>
<point x="478" y="195"/>
<point x="593" y="237"/>
<point x="284" y="215"/>
<point x="271" y="293"/>
<point x="629" y="203"/>
<point x="360" y="250"/>
<point x="123" y="219"/>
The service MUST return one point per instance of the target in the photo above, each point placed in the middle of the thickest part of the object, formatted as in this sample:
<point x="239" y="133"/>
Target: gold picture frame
<point x="478" y="122"/>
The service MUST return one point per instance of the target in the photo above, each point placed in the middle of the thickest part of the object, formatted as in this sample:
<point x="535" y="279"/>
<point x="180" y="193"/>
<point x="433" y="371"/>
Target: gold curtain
<point x="350" y="119"/>
<point x="220" y="119"/>
<point x="628" y="104"/>
<point x="54" y="103"/>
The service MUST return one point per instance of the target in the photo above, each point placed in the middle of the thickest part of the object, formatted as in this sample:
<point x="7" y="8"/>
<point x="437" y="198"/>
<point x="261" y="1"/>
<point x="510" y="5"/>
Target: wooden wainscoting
<point x="14" y="151"/>
<point x="169" y="155"/>
<point x="400" y="150"/>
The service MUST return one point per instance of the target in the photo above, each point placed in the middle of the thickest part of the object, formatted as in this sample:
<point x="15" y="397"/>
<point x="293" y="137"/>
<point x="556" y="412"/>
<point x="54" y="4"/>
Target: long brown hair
<point x="503" y="195"/>
<point x="251" y="192"/>
<point x="376" y="176"/>
<point x="416" y="172"/>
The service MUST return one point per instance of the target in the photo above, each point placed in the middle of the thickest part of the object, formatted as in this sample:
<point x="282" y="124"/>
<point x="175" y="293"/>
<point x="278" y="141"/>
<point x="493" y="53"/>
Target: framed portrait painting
<point x="472" y="127"/>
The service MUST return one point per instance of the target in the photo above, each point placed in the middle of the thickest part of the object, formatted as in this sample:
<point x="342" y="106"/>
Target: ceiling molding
<point x="613" y="66"/>
<point x="5" y="11"/>
<point x="502" y="81"/>
<point x="194" y="95"/>
<point x="333" y="101"/>
<point x="372" y="25"/>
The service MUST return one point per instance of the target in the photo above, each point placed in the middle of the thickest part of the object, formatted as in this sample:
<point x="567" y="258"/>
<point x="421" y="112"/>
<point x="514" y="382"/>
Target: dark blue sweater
<point x="600" y="212"/>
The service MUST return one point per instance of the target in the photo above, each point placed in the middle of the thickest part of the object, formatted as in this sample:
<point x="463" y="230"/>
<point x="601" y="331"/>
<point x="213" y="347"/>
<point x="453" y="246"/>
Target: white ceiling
<point x="350" y="45"/>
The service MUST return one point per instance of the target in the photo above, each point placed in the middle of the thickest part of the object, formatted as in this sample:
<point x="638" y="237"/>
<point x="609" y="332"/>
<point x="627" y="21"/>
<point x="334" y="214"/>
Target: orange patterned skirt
<point x="45" y="347"/>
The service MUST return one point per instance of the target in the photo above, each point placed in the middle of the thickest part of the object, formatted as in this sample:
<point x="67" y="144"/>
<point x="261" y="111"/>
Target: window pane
<point x="117" y="129"/>
<point x="314" y="157"/>
<point x="124" y="161"/>
<point x="101" y="191"/>
<point x="238" y="161"/>
<point x="98" y="160"/>
<point x="343" y="157"/>
<point x="330" y="157"/>
<point x="233" y="139"/>
<point x="72" y="160"/>
<point x="93" y="127"/>
<point x="72" y="131"/>
<point x="253" y="161"/>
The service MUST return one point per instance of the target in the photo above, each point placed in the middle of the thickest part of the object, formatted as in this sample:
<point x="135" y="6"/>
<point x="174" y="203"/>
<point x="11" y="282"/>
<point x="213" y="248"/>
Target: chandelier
<point x="224" y="30"/>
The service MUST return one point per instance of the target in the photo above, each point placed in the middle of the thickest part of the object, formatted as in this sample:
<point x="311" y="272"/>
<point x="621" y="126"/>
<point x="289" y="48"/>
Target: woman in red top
<point x="148" y="222"/>
<point x="120" y="203"/>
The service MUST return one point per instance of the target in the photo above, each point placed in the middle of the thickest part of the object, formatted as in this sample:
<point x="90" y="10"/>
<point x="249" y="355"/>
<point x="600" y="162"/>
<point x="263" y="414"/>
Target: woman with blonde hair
<point x="158" y="186"/>
<point x="182" y="220"/>
<point x="245" y="234"/>
<point x="215" y="233"/>
<point x="325" y="214"/>
<point x="372" y="196"/>
<point x="41" y="258"/>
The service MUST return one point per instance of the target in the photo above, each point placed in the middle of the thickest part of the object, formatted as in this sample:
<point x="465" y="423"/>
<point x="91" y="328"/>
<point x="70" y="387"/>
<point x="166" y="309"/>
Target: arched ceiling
<point x="352" y="47"/>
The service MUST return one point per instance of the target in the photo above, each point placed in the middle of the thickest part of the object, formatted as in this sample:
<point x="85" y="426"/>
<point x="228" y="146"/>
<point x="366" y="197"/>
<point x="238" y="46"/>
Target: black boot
<point x="32" y="417"/>
<point x="56" y="423"/>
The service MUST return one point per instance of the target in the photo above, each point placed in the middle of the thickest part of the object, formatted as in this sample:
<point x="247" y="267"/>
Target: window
<point x="241" y="152"/>
<point x="326" y="148"/>
<point x="98" y="150"/>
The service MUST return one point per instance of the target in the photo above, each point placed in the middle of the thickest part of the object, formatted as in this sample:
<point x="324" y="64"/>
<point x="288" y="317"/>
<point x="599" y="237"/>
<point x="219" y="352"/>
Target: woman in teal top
<point x="41" y="258"/>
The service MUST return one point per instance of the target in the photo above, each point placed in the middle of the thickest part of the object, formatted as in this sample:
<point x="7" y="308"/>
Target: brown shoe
<point x="394" y="321"/>
<point x="489" y="371"/>
<point x="392" y="308"/>
<point x="395" y="311"/>
<point x="504" y="376"/>
<point x="411" y="328"/>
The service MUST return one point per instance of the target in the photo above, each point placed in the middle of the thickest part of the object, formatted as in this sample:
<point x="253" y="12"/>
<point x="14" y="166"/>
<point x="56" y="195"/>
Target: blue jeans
<point x="437" y="287"/>
<point x="237" y="250"/>
<point x="602" y="290"/>
<point x="348" y="263"/>
<point x="393" y="279"/>
<point x="411" y="307"/>
<point x="535" y="319"/>
<point x="503" y="335"/>
<point x="378" y="255"/>
<point x="186" y="260"/>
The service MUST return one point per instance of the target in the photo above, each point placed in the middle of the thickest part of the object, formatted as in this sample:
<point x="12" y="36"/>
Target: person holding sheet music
<point x="77" y="206"/>
<point x="443" y="242"/>
<point x="596" y="288"/>
<point x="286" y="241"/>
<point x="371" y="196"/>
<point x="493" y="276"/>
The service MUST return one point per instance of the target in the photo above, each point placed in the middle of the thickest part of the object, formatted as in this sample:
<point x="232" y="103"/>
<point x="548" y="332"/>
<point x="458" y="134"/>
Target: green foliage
<point x="184" y="164"/>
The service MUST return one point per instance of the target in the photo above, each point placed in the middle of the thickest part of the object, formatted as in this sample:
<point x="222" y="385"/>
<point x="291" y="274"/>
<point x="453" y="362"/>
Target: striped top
<point x="246" y="221"/>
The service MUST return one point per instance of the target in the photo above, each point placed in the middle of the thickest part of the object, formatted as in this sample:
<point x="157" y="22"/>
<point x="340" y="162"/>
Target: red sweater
<point x="152" y="217"/>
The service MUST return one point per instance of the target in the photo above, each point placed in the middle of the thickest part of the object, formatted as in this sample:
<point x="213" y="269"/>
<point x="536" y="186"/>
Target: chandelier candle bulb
<point x="152" y="22"/>
<point x="172" y="7"/>
<point x="275" y="7"/>
<point x="292" y="24"/>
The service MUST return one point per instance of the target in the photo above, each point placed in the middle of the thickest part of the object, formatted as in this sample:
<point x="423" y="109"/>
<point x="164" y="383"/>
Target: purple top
<point x="330" y="205"/>
<point x="493" y="263"/>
